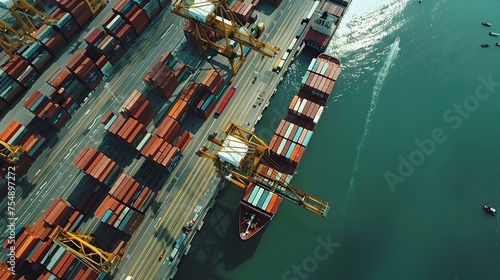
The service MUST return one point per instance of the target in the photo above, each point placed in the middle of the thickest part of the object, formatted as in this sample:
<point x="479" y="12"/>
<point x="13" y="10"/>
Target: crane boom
<point x="11" y="39"/>
<point x="10" y="153"/>
<point x="21" y="9"/>
<point x="215" y="15"/>
<point x="80" y="246"/>
<point x="251" y="151"/>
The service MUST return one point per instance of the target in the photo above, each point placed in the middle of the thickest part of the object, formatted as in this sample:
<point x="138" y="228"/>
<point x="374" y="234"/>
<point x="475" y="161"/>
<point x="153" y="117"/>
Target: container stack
<point x="118" y="215"/>
<point x="320" y="78"/>
<point x="96" y="164"/>
<point x="152" y="7"/>
<point x="243" y="11"/>
<point x="48" y="37"/>
<point x="6" y="274"/>
<point x="294" y="133"/>
<point x="161" y="78"/>
<point x="139" y="108"/>
<point x="46" y="110"/>
<point x="61" y="213"/>
<point x="304" y="112"/>
<point x="286" y="151"/>
<point x="65" y="84"/>
<point x="122" y="31"/>
<point x="159" y="151"/>
<point x="213" y="81"/>
<point x="10" y="88"/>
<point x="189" y="34"/>
<point x="103" y="44"/>
<point x="168" y="129"/>
<point x="179" y="111"/>
<point x="18" y="69"/>
<point x="190" y="94"/>
<point x="133" y="14"/>
<point x="79" y="10"/>
<point x="182" y="141"/>
<point x="129" y="192"/>
<point x="210" y="87"/>
<point x="333" y="8"/>
<point x="36" y="55"/>
<point x="85" y="70"/>
<point x="126" y="128"/>
<point x="18" y="135"/>
<point x="66" y="24"/>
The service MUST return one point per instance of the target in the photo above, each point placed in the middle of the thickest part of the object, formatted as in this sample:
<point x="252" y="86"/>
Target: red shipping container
<point x="81" y="13"/>
<point x="139" y="20"/>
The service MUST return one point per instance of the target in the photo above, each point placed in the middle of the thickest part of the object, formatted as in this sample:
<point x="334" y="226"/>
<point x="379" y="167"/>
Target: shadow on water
<point x="217" y="246"/>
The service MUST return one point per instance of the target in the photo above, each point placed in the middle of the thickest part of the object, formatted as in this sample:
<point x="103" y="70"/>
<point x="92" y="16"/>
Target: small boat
<point x="490" y="210"/>
<point x="484" y="45"/>
<point x="484" y="23"/>
<point x="497" y="44"/>
<point x="494" y="34"/>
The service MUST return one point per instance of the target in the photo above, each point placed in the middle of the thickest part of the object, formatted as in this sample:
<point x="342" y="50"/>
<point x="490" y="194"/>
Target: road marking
<point x="93" y="123"/>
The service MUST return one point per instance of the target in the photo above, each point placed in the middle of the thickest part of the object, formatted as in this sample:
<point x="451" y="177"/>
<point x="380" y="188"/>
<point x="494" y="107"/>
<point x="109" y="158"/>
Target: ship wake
<point x="393" y="52"/>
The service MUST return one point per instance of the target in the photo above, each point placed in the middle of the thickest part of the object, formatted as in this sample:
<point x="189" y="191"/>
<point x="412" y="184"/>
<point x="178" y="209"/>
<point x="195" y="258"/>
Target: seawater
<point x="406" y="178"/>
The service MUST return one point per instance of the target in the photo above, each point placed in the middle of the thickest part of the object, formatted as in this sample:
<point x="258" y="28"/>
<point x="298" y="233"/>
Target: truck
<point x="177" y="247"/>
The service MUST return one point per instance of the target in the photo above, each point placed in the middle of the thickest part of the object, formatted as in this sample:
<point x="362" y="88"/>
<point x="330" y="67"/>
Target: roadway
<point x="194" y="182"/>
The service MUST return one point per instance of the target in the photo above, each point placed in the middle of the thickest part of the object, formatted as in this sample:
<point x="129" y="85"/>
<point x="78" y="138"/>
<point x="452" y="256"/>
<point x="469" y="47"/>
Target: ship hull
<point x="250" y="226"/>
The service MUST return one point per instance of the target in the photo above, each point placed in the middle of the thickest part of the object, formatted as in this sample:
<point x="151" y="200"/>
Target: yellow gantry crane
<point x="95" y="5"/>
<point x="246" y="151"/>
<point x="216" y="15"/>
<point x="23" y="12"/>
<point x="9" y="153"/>
<point x="11" y="39"/>
<point x="80" y="246"/>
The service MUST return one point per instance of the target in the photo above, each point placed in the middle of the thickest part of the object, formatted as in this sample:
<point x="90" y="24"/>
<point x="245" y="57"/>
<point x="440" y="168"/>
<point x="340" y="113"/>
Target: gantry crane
<point x="22" y="11"/>
<point x="95" y="6"/>
<point x="80" y="246"/>
<point x="216" y="15"/>
<point x="248" y="152"/>
<point x="10" y="153"/>
<point x="11" y="39"/>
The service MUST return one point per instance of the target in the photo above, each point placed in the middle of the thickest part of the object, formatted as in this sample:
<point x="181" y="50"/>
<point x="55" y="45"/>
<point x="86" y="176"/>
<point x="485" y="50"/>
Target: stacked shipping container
<point x="189" y="34"/>
<point x="320" y="78"/>
<point x="210" y="88"/>
<point x="66" y="85"/>
<point x="97" y="165"/>
<point x="243" y="11"/>
<point x="159" y="151"/>
<point x="33" y="243"/>
<point x="162" y="78"/>
<point x="118" y="215"/>
<point x="85" y="70"/>
<point x="47" y="110"/>
<point x="139" y="108"/>
<point x="129" y="192"/>
<point x="128" y="129"/>
<point x="290" y="140"/>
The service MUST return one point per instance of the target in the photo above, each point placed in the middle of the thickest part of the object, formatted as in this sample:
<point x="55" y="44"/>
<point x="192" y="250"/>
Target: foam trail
<point x="373" y="104"/>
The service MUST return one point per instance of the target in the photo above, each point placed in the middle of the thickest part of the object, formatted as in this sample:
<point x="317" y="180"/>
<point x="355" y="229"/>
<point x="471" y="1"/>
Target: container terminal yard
<point x="106" y="111"/>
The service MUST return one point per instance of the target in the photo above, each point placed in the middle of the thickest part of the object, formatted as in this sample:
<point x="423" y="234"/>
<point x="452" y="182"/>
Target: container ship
<point x="288" y="144"/>
<point x="325" y="21"/>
